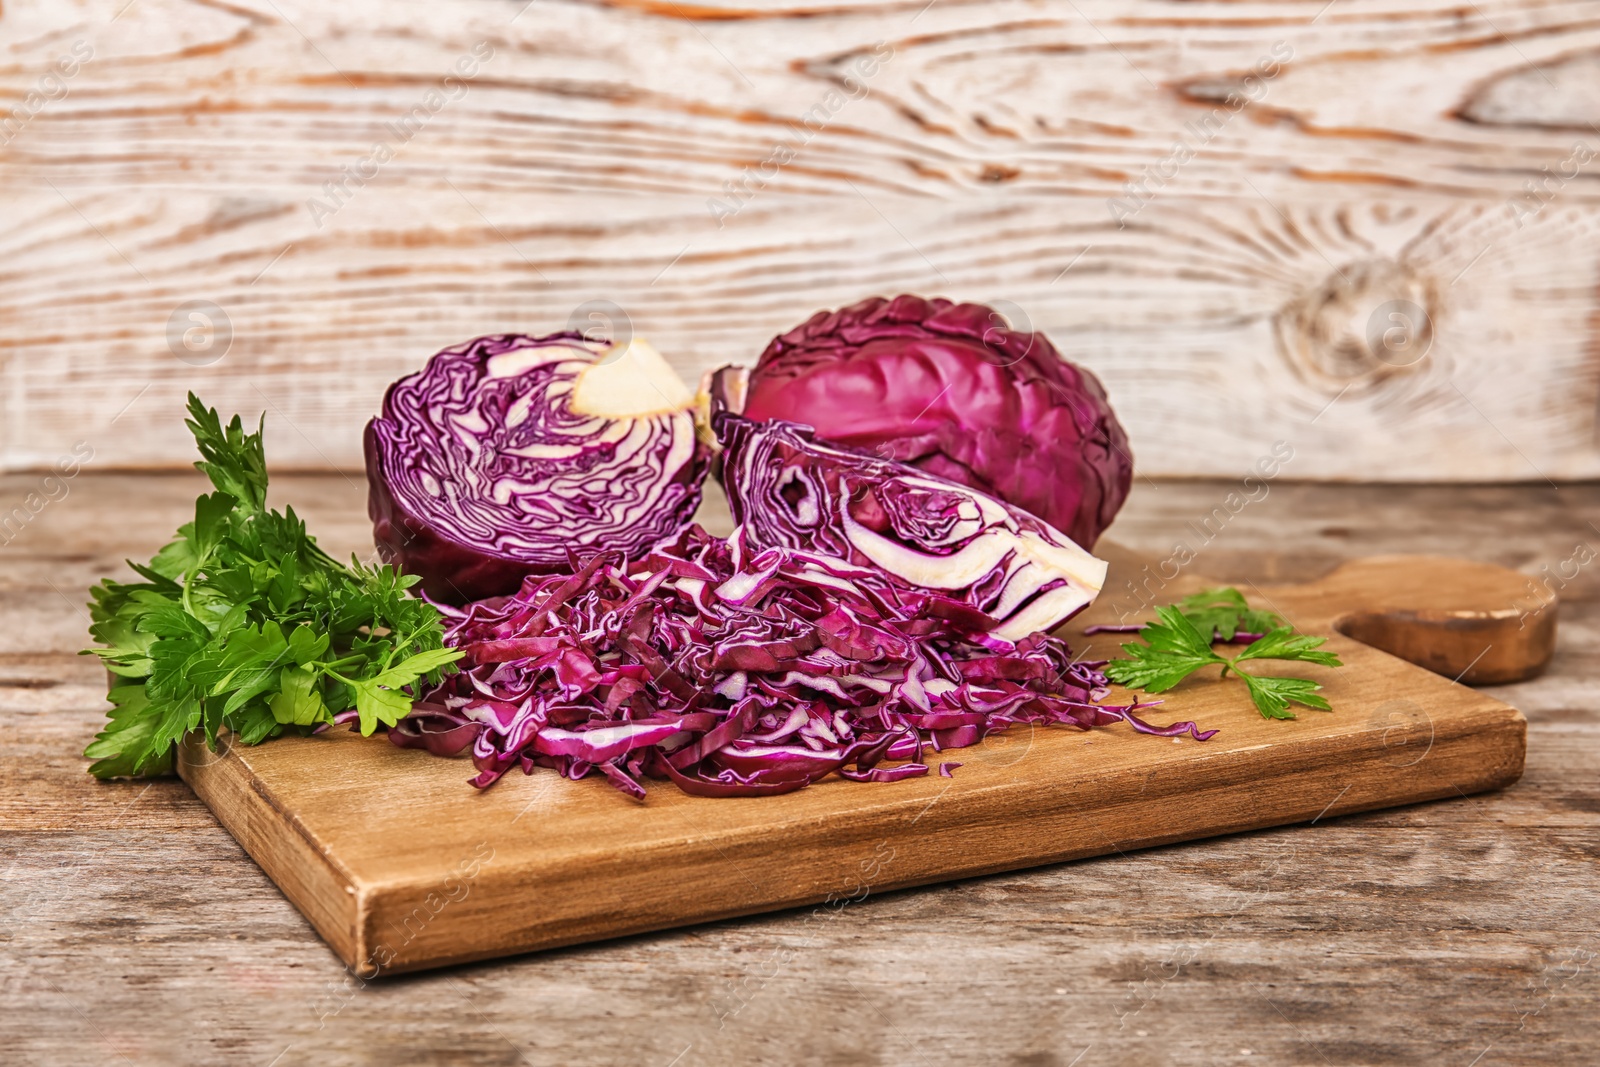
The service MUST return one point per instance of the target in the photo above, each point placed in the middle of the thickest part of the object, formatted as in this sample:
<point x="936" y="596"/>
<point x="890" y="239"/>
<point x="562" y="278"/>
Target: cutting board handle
<point x="1474" y="622"/>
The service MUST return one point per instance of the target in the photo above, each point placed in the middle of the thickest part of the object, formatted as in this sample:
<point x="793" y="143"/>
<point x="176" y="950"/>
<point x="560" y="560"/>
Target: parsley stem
<point x="186" y="600"/>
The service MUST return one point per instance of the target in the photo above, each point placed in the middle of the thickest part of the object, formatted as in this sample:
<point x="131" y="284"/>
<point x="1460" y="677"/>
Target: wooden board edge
<point x="1486" y="754"/>
<point x="329" y="897"/>
<point x="1474" y="622"/>
<point x="1475" y="649"/>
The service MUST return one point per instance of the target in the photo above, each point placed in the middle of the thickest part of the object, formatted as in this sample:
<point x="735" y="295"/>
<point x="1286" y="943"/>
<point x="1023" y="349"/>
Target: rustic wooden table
<point x="1461" y="933"/>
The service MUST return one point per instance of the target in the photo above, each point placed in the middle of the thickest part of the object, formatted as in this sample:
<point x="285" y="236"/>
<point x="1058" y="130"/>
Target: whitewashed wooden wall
<point x="1382" y="161"/>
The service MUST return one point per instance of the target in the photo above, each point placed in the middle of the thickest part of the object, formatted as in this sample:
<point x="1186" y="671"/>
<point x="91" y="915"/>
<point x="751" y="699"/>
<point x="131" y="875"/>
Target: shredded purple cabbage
<point x="736" y="671"/>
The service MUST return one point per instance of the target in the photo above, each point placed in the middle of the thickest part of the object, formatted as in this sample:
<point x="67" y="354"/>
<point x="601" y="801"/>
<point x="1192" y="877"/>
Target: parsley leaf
<point x="376" y="698"/>
<point x="297" y="700"/>
<point x="1225" y="613"/>
<point x="235" y="461"/>
<point x="1179" y="643"/>
<point x="1284" y="643"/>
<point x="1274" y="695"/>
<point x="127" y="746"/>
<point x="244" y="623"/>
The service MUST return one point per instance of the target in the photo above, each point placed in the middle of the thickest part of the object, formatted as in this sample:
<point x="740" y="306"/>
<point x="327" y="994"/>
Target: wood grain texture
<point x="1421" y="157"/>
<point x="137" y="928"/>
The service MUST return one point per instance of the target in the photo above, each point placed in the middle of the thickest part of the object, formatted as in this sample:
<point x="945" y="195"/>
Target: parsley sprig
<point x="1179" y="643"/>
<point x="244" y="623"/>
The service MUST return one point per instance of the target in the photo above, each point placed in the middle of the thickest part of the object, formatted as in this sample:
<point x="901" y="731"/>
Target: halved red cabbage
<point x="737" y="671"/>
<point x="507" y="453"/>
<point x="983" y="559"/>
<point x="952" y="390"/>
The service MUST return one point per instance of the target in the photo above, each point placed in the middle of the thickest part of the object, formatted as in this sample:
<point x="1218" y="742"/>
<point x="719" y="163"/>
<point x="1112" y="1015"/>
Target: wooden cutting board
<point x="401" y="865"/>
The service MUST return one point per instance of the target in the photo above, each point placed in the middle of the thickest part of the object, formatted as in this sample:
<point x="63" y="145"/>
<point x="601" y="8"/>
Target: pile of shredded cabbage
<point x="737" y="671"/>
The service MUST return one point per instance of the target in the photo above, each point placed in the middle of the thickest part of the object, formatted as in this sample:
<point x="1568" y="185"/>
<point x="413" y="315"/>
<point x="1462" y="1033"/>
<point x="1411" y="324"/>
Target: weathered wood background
<point x="1381" y="167"/>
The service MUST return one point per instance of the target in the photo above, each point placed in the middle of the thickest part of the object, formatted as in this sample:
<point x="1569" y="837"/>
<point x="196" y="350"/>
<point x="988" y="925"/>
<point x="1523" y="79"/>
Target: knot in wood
<point x="1363" y="324"/>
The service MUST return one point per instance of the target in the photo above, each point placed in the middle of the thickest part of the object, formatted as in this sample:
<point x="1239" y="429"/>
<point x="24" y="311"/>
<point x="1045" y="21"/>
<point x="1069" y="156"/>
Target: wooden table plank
<point x="140" y="930"/>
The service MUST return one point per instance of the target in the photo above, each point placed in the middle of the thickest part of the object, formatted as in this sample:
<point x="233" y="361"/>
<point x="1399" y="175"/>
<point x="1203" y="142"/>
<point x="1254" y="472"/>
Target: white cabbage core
<point x="630" y="383"/>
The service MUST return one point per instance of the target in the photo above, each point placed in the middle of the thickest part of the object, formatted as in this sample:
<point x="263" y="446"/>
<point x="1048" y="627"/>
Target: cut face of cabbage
<point x="788" y="490"/>
<point x="507" y="454"/>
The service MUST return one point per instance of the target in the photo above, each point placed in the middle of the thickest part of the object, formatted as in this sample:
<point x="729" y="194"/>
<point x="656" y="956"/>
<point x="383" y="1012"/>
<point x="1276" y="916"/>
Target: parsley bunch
<point x="244" y="623"/>
<point x="1179" y="643"/>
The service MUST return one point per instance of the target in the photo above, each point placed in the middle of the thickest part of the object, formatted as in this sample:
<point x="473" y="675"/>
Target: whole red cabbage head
<point x="949" y="388"/>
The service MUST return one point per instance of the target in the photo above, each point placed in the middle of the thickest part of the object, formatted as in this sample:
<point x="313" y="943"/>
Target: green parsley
<point x="244" y="623"/>
<point x="1179" y="643"/>
<point x="1224" y="612"/>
